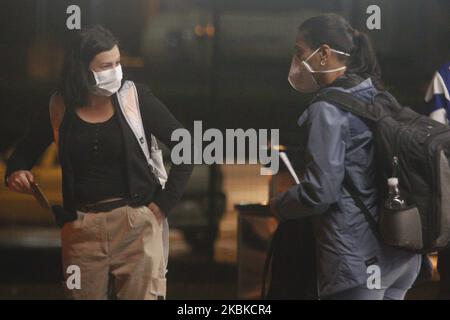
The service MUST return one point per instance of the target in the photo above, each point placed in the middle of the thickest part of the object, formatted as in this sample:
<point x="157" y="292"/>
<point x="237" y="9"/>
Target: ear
<point x="324" y="52"/>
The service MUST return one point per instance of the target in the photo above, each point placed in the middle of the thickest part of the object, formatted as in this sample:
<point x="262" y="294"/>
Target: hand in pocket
<point x="159" y="214"/>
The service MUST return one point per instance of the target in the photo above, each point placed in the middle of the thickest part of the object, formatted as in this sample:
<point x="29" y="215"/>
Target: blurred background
<point x="224" y="62"/>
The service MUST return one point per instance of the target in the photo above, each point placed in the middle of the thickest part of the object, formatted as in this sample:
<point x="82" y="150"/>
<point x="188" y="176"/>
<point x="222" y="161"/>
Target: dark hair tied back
<point x="334" y="30"/>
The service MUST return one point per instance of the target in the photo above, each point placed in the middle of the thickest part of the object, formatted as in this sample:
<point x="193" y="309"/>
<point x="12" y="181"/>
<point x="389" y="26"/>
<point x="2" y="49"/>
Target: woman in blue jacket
<point x="351" y="263"/>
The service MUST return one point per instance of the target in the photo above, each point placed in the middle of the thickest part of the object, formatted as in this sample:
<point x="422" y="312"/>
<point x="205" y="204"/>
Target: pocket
<point x="151" y="217"/>
<point x="72" y="231"/>
<point x="62" y="216"/>
<point x="133" y="217"/>
<point x="139" y="217"/>
<point x="402" y="228"/>
<point x="76" y="222"/>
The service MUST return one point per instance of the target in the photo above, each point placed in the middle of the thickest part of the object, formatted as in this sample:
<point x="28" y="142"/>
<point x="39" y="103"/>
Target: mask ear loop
<point x="323" y="63"/>
<point x="341" y="52"/>
<point x="309" y="57"/>
<point x="330" y="71"/>
<point x="91" y="78"/>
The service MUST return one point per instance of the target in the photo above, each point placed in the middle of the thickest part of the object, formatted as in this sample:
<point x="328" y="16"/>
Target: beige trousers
<point x="119" y="254"/>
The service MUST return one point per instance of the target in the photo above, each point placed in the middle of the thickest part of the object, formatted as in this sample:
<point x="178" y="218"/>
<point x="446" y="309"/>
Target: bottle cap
<point x="393" y="182"/>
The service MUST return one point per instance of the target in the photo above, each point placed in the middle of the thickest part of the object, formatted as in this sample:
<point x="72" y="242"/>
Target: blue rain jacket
<point x="339" y="141"/>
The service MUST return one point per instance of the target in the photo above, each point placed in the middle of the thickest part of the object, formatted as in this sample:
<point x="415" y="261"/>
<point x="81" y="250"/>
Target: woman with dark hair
<point x="351" y="262"/>
<point x="115" y="199"/>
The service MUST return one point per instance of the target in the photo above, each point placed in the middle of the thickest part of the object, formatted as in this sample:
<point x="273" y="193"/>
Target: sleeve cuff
<point x="290" y="206"/>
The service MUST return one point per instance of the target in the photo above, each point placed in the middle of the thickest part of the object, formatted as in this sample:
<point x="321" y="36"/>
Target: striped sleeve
<point x="437" y="96"/>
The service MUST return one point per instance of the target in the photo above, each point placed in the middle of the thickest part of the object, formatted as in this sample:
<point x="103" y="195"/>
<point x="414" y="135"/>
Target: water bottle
<point x="395" y="200"/>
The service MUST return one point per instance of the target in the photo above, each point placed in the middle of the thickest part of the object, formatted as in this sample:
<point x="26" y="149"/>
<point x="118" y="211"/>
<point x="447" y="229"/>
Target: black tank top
<point x="96" y="152"/>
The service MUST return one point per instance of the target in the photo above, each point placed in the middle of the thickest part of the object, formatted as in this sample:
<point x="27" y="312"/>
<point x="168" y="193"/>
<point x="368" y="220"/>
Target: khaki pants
<point x="119" y="254"/>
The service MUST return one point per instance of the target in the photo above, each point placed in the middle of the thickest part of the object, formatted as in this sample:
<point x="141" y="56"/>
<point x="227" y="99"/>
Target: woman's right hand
<point x="20" y="181"/>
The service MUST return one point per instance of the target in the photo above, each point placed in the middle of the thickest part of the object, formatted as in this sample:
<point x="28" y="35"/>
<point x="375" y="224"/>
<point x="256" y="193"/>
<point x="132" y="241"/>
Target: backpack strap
<point x="347" y="102"/>
<point x="129" y="105"/>
<point x="351" y="188"/>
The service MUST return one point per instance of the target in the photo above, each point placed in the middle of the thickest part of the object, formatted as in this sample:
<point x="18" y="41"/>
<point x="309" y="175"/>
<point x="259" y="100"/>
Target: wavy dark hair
<point x="334" y="30"/>
<point x="76" y="76"/>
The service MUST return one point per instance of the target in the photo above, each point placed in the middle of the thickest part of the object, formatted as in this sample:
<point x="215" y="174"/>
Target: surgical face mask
<point x="301" y="74"/>
<point x="107" y="82"/>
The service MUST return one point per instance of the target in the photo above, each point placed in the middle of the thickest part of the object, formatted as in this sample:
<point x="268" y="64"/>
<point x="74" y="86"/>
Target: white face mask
<point x="301" y="74"/>
<point x="107" y="82"/>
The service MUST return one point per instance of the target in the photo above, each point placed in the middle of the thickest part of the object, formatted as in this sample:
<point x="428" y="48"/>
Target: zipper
<point x="396" y="162"/>
<point x="435" y="134"/>
<point x="396" y="155"/>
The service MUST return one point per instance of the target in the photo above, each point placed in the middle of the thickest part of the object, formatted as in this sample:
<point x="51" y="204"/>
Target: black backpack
<point x="419" y="148"/>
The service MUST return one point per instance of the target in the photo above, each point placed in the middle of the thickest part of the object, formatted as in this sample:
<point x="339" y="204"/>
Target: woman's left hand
<point x="159" y="214"/>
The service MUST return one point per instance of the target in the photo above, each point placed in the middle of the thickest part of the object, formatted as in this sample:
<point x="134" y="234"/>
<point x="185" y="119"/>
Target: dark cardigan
<point x="143" y="186"/>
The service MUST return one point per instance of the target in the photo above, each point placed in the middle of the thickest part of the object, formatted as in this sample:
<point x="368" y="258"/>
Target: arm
<point x="31" y="146"/>
<point x="325" y="173"/>
<point x="161" y="123"/>
<point x="437" y="96"/>
<point x="439" y="115"/>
